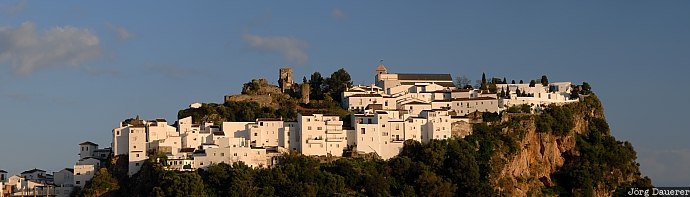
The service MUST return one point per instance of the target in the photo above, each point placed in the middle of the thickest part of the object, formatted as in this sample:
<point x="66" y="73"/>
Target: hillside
<point x="565" y="151"/>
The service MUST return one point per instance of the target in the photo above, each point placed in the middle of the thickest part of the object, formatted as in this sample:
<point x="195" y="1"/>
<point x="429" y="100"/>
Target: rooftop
<point x="32" y="171"/>
<point x="88" y="143"/>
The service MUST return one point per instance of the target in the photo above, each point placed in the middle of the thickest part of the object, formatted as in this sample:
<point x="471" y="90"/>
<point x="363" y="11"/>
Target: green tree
<point x="532" y="83"/>
<point x="521" y="82"/>
<point x="512" y="82"/>
<point x="483" y="85"/>
<point x="316" y="83"/>
<point x="544" y="80"/>
<point x="102" y="184"/>
<point x="586" y="88"/>
<point x="339" y="81"/>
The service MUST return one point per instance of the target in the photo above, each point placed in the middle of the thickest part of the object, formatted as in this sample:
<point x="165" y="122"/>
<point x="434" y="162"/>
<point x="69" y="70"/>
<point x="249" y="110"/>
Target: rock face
<point x="540" y="154"/>
<point x="461" y="129"/>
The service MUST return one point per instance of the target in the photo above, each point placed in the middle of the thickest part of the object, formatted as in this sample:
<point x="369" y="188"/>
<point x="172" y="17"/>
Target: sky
<point x="70" y="71"/>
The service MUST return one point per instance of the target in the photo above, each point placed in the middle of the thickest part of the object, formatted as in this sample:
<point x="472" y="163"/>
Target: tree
<point x="102" y="184"/>
<point x="462" y="81"/>
<point x="586" y="88"/>
<point x="339" y="81"/>
<point x="521" y="82"/>
<point x="544" y="80"/>
<point x="532" y="83"/>
<point x="518" y="93"/>
<point x="316" y="84"/>
<point x="483" y="85"/>
<point x="505" y="81"/>
<point x="513" y="82"/>
<point x="304" y="80"/>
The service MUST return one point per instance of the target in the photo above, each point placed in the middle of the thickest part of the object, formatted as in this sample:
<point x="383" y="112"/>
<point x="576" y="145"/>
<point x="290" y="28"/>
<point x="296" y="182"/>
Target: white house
<point x="321" y="135"/>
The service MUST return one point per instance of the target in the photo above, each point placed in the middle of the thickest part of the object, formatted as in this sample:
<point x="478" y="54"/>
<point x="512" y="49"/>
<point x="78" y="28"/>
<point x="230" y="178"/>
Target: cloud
<point x="122" y="33"/>
<point x="666" y="167"/>
<point x="171" y="71"/>
<point x="13" y="9"/>
<point x="27" y="50"/>
<point x="292" y="49"/>
<point x="338" y="14"/>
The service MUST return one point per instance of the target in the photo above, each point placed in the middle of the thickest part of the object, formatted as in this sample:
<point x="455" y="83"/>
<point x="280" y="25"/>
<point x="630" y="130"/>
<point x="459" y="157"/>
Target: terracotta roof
<point x="381" y="67"/>
<point x="161" y="120"/>
<point x="430" y="77"/>
<point x="88" y="143"/>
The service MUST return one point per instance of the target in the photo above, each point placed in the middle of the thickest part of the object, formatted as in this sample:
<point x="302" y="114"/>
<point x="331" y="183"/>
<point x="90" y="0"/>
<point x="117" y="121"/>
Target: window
<point x="223" y="154"/>
<point x="363" y="131"/>
<point x="137" y="154"/>
<point x="78" y="182"/>
<point x="383" y="125"/>
<point x="319" y="128"/>
<point x="82" y="148"/>
<point x="261" y="123"/>
<point x="135" y="146"/>
<point x="78" y="173"/>
<point x="136" y="164"/>
<point x="256" y="134"/>
<point x="309" y="128"/>
<point x="288" y="134"/>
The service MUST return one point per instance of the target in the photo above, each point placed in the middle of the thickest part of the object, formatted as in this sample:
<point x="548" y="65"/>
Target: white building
<point x="321" y="135"/>
<point x="83" y="173"/>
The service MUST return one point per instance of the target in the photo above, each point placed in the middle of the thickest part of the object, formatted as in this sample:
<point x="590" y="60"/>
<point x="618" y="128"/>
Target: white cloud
<point x="338" y="14"/>
<point x="13" y="9"/>
<point x="121" y="32"/>
<point x="292" y="49"/>
<point x="27" y="50"/>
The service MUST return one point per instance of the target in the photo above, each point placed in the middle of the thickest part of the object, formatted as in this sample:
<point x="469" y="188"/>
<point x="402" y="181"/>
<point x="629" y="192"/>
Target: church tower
<point x="379" y="71"/>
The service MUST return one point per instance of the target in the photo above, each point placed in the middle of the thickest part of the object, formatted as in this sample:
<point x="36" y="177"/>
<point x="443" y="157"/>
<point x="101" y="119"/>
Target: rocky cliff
<point x="548" y="162"/>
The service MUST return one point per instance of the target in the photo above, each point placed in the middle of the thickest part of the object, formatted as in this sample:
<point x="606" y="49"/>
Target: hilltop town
<point x="372" y="121"/>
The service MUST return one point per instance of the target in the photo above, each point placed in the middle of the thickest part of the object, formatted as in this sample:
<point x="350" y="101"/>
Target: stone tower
<point x="285" y="79"/>
<point x="305" y="90"/>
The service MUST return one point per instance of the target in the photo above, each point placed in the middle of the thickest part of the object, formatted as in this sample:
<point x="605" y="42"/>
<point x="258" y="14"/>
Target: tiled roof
<point x="430" y="77"/>
<point x="161" y="120"/>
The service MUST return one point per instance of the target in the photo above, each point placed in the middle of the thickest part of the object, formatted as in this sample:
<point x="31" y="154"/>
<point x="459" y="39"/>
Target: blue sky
<point x="71" y="70"/>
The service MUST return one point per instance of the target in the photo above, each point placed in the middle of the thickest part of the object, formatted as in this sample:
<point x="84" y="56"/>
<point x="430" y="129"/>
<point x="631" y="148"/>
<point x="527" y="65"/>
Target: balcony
<point x="334" y="131"/>
<point x="334" y="123"/>
<point x="335" y="139"/>
<point x="315" y="141"/>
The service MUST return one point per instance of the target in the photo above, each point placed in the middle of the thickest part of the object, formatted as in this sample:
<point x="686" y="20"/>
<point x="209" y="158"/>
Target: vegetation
<point x="452" y="167"/>
<point x="239" y="111"/>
